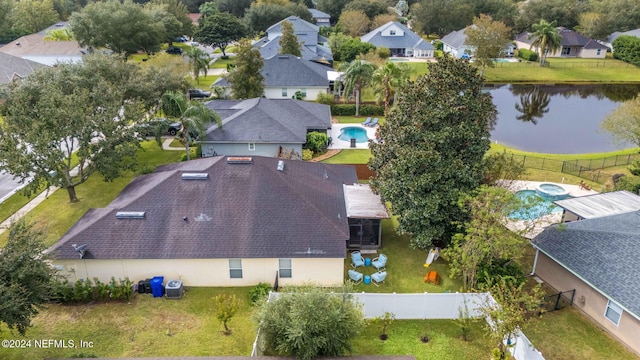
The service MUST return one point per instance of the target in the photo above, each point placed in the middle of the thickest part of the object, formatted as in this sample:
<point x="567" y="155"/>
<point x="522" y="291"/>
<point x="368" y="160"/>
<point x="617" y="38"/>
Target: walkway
<point x="25" y="209"/>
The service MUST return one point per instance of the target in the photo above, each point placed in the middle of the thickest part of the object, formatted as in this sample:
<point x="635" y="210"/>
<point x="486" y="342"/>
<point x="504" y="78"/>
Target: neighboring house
<point x="13" y="68"/>
<point x="313" y="44"/>
<point x="33" y="47"/>
<point x="454" y="44"/>
<point x="400" y="40"/>
<point x="599" y="258"/>
<point x="611" y="38"/>
<point x="284" y="75"/>
<point x="321" y="18"/>
<point x="264" y="127"/>
<point x="220" y="221"/>
<point x="598" y="205"/>
<point x="573" y="45"/>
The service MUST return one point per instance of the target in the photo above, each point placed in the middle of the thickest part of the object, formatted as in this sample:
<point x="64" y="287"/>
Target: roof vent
<point x="280" y="165"/>
<point x="239" y="160"/>
<point x="130" y="214"/>
<point x="283" y="57"/>
<point x="195" y="176"/>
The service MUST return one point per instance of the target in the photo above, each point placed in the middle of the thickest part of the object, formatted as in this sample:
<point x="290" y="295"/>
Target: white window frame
<point x="598" y="52"/>
<point x="303" y="91"/>
<point x="284" y="92"/>
<point x="616" y="309"/>
<point x="235" y="268"/>
<point x="252" y="146"/>
<point x="392" y="32"/>
<point x="286" y="267"/>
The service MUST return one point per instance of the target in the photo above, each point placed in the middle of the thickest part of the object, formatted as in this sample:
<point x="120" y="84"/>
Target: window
<point x="598" y="52"/>
<point x="252" y="146"/>
<point x="235" y="268"/>
<point x="566" y="50"/>
<point x="392" y="32"/>
<point x="613" y="312"/>
<point x="303" y="91"/>
<point x="285" y="268"/>
<point x="284" y="92"/>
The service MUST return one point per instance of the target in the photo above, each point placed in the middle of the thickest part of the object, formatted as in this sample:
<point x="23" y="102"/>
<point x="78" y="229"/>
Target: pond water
<point x="557" y="119"/>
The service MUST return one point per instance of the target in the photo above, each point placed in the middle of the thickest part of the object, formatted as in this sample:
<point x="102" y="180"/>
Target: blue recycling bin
<point x="367" y="279"/>
<point x="157" y="288"/>
<point x="367" y="262"/>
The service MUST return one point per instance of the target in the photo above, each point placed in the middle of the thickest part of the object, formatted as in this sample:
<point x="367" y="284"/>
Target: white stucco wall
<point x="205" y="272"/>
<point x="312" y="92"/>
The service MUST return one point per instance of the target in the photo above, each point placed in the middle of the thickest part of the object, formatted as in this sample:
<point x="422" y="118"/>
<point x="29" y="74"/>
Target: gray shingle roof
<point x="267" y="120"/>
<point x="270" y="48"/>
<point x="569" y="38"/>
<point x="317" y="14"/>
<point x="299" y="25"/>
<point x="599" y="205"/>
<point x="604" y="252"/>
<point x="288" y="70"/>
<point x="240" y="211"/>
<point x="611" y="38"/>
<point x="455" y="39"/>
<point x="13" y="66"/>
<point x="409" y="40"/>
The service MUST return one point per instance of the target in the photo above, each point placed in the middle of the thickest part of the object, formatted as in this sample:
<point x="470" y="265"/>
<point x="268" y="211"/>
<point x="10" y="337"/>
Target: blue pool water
<point x="353" y="132"/>
<point x="542" y="207"/>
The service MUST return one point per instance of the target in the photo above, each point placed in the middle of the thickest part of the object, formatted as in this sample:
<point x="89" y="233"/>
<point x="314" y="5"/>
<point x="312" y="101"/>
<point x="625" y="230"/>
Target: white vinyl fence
<point x="428" y="306"/>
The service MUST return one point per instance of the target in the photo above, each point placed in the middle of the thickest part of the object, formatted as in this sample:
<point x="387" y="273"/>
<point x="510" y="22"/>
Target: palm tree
<point x="356" y="75"/>
<point x="199" y="62"/>
<point x="193" y="115"/>
<point x="533" y="105"/>
<point x="63" y="34"/>
<point x="387" y="79"/>
<point x="547" y="39"/>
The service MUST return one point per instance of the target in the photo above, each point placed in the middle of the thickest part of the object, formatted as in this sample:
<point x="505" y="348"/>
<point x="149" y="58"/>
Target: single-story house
<point x="264" y="127"/>
<point x="598" y="205"/>
<point x="221" y="221"/>
<point x="14" y="68"/>
<point x="455" y="44"/>
<point x="321" y="18"/>
<point x="573" y="45"/>
<point x="599" y="258"/>
<point x="314" y="46"/>
<point x="33" y="47"/>
<point x="400" y="40"/>
<point x="284" y="75"/>
<point x="611" y="38"/>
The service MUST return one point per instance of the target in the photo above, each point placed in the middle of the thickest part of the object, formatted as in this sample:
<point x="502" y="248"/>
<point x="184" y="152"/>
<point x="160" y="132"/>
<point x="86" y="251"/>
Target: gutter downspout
<point x="535" y="262"/>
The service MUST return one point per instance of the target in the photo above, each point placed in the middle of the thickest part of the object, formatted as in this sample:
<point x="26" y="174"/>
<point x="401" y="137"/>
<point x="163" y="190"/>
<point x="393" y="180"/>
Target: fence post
<point x="542" y="164"/>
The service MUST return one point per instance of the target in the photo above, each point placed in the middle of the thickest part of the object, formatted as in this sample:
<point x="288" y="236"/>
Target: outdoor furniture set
<point x="379" y="263"/>
<point x="370" y="122"/>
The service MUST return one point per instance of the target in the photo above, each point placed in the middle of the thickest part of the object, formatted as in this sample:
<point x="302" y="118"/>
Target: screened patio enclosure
<point x="365" y="211"/>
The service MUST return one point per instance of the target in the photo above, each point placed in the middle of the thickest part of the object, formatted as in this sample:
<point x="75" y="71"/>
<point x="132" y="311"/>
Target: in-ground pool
<point x="535" y="206"/>
<point x="352" y="132"/>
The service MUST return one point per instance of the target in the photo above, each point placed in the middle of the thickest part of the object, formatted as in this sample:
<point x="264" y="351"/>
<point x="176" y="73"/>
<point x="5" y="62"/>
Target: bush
<point x="307" y="154"/>
<point x="383" y="52"/>
<point x="84" y="291"/>
<point x="326" y="99"/>
<point x="438" y="53"/>
<point x="259" y="293"/>
<point x="627" y="49"/>
<point x="350" y="110"/>
<point x="527" y="55"/>
<point x="316" y="141"/>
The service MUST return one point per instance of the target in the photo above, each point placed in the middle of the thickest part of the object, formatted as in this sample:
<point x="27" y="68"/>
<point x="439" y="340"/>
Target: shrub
<point x="527" y="55"/>
<point x="350" y="110"/>
<point x="84" y="291"/>
<point x="307" y="154"/>
<point x="438" y="53"/>
<point x="383" y="52"/>
<point x="627" y="49"/>
<point x="316" y="141"/>
<point x="326" y="99"/>
<point x="260" y="292"/>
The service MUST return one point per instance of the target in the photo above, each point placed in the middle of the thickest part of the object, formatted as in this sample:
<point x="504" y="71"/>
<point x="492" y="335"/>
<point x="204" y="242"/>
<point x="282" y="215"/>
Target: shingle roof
<point x="317" y="14"/>
<point x="239" y="211"/>
<point x="611" y="38"/>
<point x="267" y="120"/>
<point x="288" y="70"/>
<point x="599" y="205"/>
<point x="455" y="39"/>
<point x="270" y="48"/>
<point x="13" y="66"/>
<point x="604" y="252"/>
<point x="409" y="40"/>
<point x="569" y="38"/>
<point x="298" y="24"/>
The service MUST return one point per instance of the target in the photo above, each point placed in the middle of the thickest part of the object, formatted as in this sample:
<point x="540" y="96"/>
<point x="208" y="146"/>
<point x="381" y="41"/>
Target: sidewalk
<point x="25" y="209"/>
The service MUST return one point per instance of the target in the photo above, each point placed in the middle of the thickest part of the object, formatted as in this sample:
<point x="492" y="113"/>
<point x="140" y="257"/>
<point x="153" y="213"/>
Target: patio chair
<point x="380" y="262"/>
<point x="357" y="259"/>
<point x="356" y="277"/>
<point x="367" y="122"/>
<point x="373" y="122"/>
<point x="378" y="277"/>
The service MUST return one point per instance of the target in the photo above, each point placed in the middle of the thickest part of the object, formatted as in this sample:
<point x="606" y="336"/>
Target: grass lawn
<point x="145" y="327"/>
<point x="350" y="156"/>
<point x="205" y="82"/>
<point x="56" y="214"/>
<point x="357" y="119"/>
<point x="13" y="204"/>
<point x="221" y="63"/>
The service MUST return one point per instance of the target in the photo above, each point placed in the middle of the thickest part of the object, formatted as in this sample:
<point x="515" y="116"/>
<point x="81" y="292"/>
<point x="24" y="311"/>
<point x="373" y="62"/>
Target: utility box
<point x="174" y="289"/>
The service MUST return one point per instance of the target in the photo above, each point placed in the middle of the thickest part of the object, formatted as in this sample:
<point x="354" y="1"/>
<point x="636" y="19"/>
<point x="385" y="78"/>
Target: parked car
<point x="159" y="125"/>
<point x="180" y="39"/>
<point x="199" y="94"/>
<point x="174" y="50"/>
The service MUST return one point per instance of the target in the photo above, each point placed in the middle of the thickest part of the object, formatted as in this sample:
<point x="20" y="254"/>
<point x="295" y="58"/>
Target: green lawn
<point x="357" y="119"/>
<point x="221" y="63"/>
<point x="350" y="156"/>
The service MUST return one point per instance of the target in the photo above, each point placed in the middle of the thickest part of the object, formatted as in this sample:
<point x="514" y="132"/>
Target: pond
<point x="557" y="119"/>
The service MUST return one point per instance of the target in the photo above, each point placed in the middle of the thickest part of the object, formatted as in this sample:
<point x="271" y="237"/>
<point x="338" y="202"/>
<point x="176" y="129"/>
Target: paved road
<point x="8" y="186"/>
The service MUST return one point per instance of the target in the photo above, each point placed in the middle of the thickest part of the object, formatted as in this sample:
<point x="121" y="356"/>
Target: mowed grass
<point x="145" y="327"/>
<point x="357" y="119"/>
<point x="350" y="156"/>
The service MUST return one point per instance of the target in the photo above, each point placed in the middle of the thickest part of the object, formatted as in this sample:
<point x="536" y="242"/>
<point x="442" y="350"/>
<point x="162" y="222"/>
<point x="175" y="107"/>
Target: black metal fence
<point x="566" y="64"/>
<point x="558" y="301"/>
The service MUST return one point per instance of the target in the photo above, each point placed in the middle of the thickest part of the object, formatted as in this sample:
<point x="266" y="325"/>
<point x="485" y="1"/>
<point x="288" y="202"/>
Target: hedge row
<point x="527" y="55"/>
<point x="627" y="49"/>
<point x="350" y="110"/>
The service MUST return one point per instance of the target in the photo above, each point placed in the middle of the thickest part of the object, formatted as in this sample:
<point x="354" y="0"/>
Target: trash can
<point x="367" y="279"/>
<point x="353" y="143"/>
<point x="367" y="262"/>
<point x="157" y="287"/>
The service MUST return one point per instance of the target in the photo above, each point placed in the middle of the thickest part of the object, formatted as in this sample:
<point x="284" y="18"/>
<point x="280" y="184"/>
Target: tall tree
<point x="199" y="62"/>
<point x="84" y="106"/>
<point x="35" y="15"/>
<point x="63" y="34"/>
<point x="246" y="78"/>
<point x="356" y="75"/>
<point x="489" y="39"/>
<point x="310" y="322"/>
<point x="441" y="16"/>
<point x="261" y="15"/>
<point x="434" y="143"/>
<point x="179" y="10"/>
<point x="564" y="13"/>
<point x="219" y="30"/>
<point x="25" y="276"/>
<point x="371" y="8"/>
<point x="624" y="123"/>
<point x="354" y="22"/>
<point x="388" y="79"/>
<point x="332" y="7"/>
<point x="547" y="39"/>
<point x="193" y="115"/>
<point x="235" y="7"/>
<point x="289" y="41"/>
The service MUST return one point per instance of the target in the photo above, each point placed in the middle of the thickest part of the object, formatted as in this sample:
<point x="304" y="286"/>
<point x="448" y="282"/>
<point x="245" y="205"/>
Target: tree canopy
<point x="441" y="16"/>
<point x="219" y="30"/>
<point x="432" y="150"/>
<point x="84" y="106"/>
<point x="489" y="39"/>
<point x="547" y="38"/>
<point x="289" y="41"/>
<point x="246" y="78"/>
<point x="356" y="75"/>
<point x="25" y="276"/>
<point x="261" y="15"/>
<point x="354" y="22"/>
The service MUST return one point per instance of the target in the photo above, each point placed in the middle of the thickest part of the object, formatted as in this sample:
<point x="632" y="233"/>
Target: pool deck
<point x="536" y="226"/>
<point x="337" y="143"/>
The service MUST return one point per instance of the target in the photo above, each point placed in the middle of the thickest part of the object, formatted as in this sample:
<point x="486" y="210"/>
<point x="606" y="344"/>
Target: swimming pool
<point x="534" y="206"/>
<point x="352" y="132"/>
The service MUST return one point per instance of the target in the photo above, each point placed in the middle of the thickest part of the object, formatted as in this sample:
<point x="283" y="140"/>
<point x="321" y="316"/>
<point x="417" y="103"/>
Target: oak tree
<point x="219" y="30"/>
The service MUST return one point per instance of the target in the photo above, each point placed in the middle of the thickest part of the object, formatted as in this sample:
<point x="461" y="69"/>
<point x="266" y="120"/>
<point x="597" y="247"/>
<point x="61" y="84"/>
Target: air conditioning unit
<point x="174" y="289"/>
